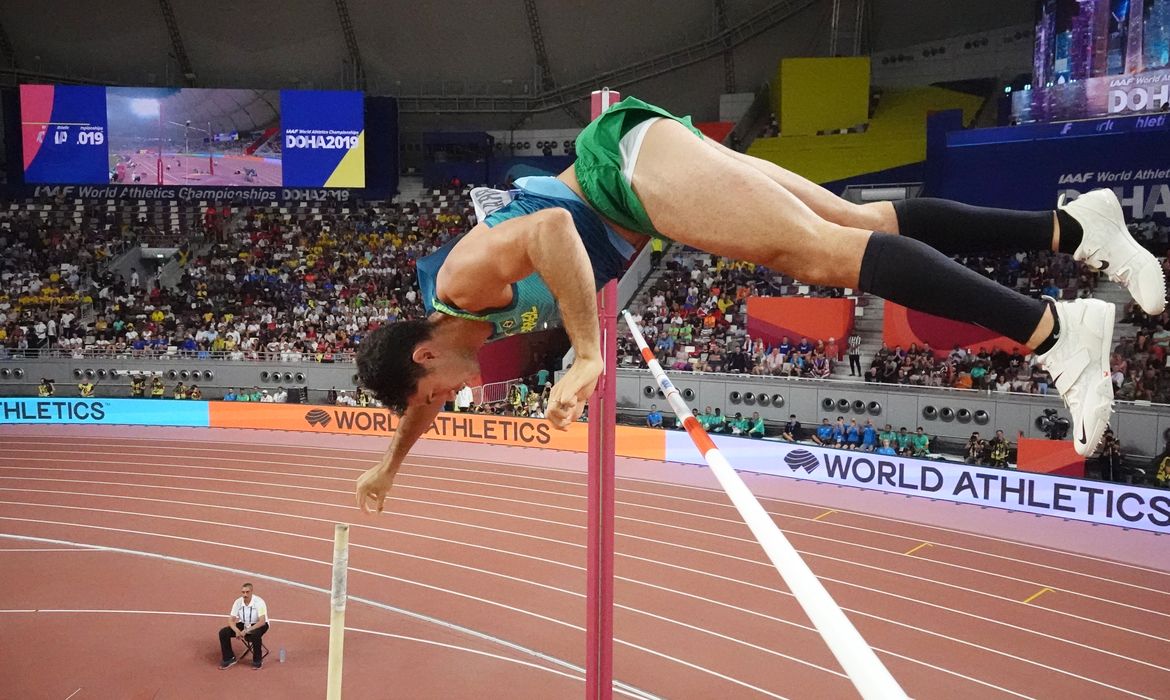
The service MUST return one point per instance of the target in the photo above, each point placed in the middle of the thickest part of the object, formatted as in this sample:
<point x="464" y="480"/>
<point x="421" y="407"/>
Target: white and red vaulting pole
<point x="602" y="422"/>
<point x="861" y="664"/>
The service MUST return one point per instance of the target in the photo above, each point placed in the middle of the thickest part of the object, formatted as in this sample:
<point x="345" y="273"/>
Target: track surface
<point x="186" y="169"/>
<point x="123" y="550"/>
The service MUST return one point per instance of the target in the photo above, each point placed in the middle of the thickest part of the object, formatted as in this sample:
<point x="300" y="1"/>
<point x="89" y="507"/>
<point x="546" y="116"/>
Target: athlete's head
<point x="410" y="363"/>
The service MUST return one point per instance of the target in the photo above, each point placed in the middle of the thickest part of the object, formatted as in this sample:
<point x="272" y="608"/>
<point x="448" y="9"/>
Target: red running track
<point x="122" y="550"/>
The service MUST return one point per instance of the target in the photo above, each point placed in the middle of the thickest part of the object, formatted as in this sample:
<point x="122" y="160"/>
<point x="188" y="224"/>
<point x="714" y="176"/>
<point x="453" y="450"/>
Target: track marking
<point x="895" y="572"/>
<point x="440" y="562"/>
<point x="822" y="515"/>
<point x="1048" y="550"/>
<point x="670" y="544"/>
<point x="889" y="519"/>
<point x="1036" y="595"/>
<point x="181" y="613"/>
<point x="46" y="549"/>
<point x="636" y="582"/>
<point x="551" y="620"/>
<point x="648" y="584"/>
<point x="631" y="694"/>
<point x="73" y="693"/>
<point x="915" y="549"/>
<point x="847" y="583"/>
<point x="623" y="687"/>
<point x="242" y="446"/>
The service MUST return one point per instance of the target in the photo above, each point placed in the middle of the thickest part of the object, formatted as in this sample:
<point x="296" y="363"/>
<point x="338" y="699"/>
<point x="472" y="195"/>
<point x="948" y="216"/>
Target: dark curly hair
<point x="385" y="365"/>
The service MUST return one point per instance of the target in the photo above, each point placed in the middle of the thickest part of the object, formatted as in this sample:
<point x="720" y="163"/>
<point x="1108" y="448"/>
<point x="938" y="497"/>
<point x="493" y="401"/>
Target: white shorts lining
<point x="630" y="145"/>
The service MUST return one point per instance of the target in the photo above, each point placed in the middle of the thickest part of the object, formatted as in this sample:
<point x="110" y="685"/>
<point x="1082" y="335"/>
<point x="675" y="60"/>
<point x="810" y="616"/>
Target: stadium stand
<point x="285" y="282"/>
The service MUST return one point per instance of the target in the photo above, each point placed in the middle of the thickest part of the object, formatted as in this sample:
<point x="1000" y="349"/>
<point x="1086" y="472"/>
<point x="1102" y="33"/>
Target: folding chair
<point x="248" y="649"/>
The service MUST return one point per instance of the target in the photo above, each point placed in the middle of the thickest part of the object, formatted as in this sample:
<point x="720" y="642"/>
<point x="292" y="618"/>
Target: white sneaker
<point x="1079" y="365"/>
<point x="1108" y="246"/>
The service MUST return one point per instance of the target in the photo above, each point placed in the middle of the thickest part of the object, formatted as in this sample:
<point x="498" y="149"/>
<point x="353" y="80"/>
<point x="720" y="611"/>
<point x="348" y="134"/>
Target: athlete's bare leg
<point x="704" y="197"/>
<point x="875" y="216"/>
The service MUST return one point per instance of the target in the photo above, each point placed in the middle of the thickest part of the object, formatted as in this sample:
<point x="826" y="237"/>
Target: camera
<point x="1110" y="445"/>
<point x="1053" y="426"/>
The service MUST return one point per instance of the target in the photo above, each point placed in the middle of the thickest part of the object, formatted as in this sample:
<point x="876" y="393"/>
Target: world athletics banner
<point x="104" y="412"/>
<point x="1075" y="499"/>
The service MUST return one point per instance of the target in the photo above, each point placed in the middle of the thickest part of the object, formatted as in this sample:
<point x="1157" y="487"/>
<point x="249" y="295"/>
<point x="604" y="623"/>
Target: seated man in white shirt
<point x="249" y="622"/>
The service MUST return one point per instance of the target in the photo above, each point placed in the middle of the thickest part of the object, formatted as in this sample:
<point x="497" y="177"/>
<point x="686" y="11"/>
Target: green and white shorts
<point x="607" y="151"/>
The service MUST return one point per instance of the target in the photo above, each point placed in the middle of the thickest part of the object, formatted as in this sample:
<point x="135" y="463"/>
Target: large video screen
<point x="75" y="134"/>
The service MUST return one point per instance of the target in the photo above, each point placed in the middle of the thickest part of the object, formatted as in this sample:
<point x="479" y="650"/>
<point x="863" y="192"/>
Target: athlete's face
<point x="447" y="372"/>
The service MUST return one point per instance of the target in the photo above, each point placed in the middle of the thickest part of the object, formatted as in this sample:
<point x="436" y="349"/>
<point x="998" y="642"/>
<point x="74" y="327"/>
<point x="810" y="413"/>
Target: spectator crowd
<point x="695" y="317"/>
<point x="300" y="286"/>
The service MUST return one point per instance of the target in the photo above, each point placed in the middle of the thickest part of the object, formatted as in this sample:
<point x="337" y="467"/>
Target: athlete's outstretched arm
<point x="545" y="242"/>
<point x="373" y="485"/>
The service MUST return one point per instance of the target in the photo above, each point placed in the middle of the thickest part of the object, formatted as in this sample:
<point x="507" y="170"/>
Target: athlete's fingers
<point x="559" y="415"/>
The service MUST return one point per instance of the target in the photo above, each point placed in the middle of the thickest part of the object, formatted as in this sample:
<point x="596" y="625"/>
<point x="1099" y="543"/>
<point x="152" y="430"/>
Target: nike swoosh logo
<point x="1104" y="265"/>
<point x="1084" y="439"/>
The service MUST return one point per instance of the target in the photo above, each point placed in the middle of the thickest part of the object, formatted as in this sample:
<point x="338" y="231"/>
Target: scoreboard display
<point x="88" y="135"/>
<point x="63" y="133"/>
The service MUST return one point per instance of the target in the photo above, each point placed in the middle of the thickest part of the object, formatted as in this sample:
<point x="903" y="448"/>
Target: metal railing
<point x="493" y="392"/>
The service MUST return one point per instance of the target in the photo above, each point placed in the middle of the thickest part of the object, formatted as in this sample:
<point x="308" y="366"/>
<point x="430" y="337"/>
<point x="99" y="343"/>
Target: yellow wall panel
<point x="819" y="94"/>
<point x="896" y="136"/>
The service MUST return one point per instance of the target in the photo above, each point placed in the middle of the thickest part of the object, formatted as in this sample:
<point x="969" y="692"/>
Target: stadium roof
<point x="457" y="46"/>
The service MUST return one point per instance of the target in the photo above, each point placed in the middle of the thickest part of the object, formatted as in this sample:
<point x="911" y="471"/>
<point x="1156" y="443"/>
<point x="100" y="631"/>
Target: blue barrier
<point x="104" y="412"/>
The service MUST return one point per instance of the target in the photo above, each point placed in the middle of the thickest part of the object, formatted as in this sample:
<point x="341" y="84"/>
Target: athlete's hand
<point x="373" y="486"/>
<point x="567" y="399"/>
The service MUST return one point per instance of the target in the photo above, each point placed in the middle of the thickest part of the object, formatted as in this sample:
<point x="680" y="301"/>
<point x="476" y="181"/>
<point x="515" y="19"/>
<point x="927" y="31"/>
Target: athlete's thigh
<point x="701" y="197"/>
<point x="875" y="216"/>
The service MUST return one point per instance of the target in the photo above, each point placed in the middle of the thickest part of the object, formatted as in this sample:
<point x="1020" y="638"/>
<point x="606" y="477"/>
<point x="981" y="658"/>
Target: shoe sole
<point x="1094" y="439"/>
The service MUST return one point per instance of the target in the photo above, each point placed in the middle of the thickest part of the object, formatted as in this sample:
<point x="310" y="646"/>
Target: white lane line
<point x="439" y="562"/>
<point x="308" y="560"/>
<point x="73" y="693"/>
<point x="894" y="572"/>
<point x="44" y="549"/>
<point x="330" y="521"/>
<point x="623" y="687"/>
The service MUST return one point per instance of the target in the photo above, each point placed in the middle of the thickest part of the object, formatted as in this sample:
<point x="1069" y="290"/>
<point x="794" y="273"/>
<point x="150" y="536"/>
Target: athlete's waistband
<point x="547" y="186"/>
